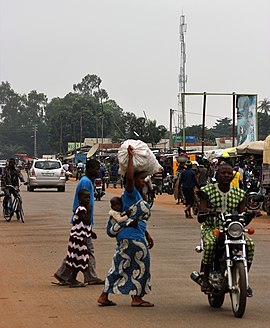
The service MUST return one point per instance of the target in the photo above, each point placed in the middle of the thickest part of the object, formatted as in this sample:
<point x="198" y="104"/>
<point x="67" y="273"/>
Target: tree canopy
<point x="85" y="112"/>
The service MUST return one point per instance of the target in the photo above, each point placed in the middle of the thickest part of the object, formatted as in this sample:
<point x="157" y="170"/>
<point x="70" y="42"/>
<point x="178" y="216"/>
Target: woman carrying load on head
<point x="130" y="272"/>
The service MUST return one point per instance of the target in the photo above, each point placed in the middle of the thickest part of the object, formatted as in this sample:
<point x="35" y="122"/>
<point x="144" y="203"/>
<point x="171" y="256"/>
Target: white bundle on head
<point x="143" y="159"/>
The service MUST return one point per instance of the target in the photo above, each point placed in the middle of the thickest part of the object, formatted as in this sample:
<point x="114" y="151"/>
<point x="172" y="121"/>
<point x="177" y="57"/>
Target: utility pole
<point x="61" y="136"/>
<point x="35" y="140"/>
<point x="203" y="122"/>
<point x="170" y="140"/>
<point x="233" y="128"/>
<point x="182" y="79"/>
<point x="81" y="132"/>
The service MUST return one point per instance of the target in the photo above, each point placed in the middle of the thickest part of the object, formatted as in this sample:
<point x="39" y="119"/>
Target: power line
<point x="202" y="114"/>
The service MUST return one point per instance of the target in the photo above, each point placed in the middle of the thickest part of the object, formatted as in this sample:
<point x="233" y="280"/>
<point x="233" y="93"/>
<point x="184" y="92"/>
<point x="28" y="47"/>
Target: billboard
<point x="246" y="118"/>
<point x="73" y="145"/>
<point x="189" y="139"/>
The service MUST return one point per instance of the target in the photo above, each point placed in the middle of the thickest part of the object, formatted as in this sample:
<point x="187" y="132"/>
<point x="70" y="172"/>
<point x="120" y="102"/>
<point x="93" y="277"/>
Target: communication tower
<point x="182" y="75"/>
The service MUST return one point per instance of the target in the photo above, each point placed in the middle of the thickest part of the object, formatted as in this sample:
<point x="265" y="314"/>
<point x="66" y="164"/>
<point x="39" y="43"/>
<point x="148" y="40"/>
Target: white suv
<point x="46" y="173"/>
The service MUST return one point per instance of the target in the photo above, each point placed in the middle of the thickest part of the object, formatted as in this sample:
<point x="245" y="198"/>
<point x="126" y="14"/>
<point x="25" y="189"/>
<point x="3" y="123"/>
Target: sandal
<point x="61" y="281"/>
<point x="107" y="303"/>
<point x="77" y="284"/>
<point x="143" y="304"/>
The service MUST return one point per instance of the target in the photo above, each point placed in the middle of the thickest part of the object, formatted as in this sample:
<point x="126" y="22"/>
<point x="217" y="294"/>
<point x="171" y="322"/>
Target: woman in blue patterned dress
<point x="130" y="271"/>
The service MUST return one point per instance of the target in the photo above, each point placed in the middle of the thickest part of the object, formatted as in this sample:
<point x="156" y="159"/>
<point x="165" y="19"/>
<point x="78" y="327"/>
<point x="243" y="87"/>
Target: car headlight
<point x="235" y="229"/>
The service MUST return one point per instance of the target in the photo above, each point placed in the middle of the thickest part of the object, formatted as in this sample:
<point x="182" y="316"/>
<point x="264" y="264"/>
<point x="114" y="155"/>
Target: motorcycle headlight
<point x="235" y="229"/>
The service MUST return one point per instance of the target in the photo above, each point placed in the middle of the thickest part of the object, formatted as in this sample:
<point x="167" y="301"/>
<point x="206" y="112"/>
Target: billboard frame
<point x="205" y="94"/>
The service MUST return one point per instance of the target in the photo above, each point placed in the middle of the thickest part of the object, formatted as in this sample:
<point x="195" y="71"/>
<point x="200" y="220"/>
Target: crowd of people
<point x="130" y="272"/>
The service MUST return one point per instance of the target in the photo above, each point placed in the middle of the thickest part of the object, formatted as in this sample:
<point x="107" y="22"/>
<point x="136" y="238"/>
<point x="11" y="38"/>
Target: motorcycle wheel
<point x="251" y="205"/>
<point x="150" y="201"/>
<point x="216" y="300"/>
<point x="265" y="206"/>
<point x="239" y="292"/>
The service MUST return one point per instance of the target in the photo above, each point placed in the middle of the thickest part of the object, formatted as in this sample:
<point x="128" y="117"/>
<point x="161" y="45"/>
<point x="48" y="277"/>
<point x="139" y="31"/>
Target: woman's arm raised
<point x="130" y="171"/>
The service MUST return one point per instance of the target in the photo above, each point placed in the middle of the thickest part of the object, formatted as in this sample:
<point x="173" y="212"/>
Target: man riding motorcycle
<point x="10" y="176"/>
<point x="220" y="196"/>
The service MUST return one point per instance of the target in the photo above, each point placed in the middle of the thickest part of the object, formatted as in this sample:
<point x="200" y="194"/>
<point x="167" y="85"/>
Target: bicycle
<point x="12" y="205"/>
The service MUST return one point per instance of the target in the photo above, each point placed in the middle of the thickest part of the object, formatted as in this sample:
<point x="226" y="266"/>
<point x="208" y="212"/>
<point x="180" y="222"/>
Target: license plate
<point x="231" y="241"/>
<point x="48" y="174"/>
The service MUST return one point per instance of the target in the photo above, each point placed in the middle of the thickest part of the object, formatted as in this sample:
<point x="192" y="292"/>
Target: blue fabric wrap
<point x="131" y="233"/>
<point x="84" y="183"/>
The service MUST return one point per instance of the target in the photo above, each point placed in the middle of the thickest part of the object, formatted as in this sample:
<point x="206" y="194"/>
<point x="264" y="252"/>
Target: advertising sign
<point x="246" y="118"/>
<point x="80" y="157"/>
<point x="189" y="139"/>
<point x="73" y="145"/>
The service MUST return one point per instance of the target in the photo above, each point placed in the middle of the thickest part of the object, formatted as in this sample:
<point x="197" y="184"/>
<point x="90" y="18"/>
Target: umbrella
<point x="229" y="152"/>
<point x="225" y="154"/>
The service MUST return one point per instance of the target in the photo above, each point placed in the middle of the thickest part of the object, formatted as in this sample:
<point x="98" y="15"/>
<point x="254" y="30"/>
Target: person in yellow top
<point x="237" y="180"/>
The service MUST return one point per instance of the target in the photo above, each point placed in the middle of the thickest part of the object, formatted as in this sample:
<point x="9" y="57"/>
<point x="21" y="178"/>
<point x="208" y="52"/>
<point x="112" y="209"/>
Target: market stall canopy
<point x="92" y="151"/>
<point x="254" y="148"/>
<point x="216" y="153"/>
<point x="266" y="151"/>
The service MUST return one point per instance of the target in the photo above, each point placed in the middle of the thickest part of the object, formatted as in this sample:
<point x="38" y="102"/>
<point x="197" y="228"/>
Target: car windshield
<point x="47" y="165"/>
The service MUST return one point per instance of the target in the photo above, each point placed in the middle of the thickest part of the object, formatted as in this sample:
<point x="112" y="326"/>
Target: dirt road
<point x="31" y="252"/>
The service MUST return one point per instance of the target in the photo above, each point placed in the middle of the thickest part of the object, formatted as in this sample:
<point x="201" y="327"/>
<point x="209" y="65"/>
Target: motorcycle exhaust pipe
<point x="195" y="276"/>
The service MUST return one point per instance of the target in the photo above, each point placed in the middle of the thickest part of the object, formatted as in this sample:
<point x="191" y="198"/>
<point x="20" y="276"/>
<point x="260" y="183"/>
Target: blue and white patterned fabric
<point x="130" y="271"/>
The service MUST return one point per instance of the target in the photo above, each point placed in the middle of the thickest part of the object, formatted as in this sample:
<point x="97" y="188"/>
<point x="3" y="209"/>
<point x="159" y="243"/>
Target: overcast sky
<point x="133" y="46"/>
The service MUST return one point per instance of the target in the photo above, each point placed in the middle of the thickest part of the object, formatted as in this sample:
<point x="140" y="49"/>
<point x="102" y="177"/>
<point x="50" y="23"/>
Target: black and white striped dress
<point x="77" y="254"/>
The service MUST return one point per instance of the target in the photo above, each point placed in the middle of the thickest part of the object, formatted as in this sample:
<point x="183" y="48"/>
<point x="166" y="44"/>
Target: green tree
<point x="88" y="85"/>
<point x="264" y="106"/>
<point x="222" y="128"/>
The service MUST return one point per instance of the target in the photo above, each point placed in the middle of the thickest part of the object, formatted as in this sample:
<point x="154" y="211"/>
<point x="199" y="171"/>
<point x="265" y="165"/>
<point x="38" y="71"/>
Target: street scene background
<point x="31" y="253"/>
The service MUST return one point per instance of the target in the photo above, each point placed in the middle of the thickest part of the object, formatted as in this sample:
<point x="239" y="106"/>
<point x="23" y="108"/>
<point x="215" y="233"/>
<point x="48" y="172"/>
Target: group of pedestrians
<point x="130" y="273"/>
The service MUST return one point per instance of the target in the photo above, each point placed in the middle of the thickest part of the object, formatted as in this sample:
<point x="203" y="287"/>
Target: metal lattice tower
<point x="182" y="76"/>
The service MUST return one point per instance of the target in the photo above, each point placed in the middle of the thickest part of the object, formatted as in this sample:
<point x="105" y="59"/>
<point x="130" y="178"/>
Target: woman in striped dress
<point x="77" y="255"/>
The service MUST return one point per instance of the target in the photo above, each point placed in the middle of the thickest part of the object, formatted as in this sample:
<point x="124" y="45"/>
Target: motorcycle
<point x="79" y="173"/>
<point x="252" y="188"/>
<point x="149" y="191"/>
<point x="229" y="272"/>
<point x="68" y="175"/>
<point x="168" y="184"/>
<point x="257" y="200"/>
<point x="98" y="193"/>
<point x="106" y="179"/>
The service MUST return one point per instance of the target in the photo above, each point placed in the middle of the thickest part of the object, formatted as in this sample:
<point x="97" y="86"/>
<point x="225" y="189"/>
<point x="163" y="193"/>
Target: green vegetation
<point x="87" y="112"/>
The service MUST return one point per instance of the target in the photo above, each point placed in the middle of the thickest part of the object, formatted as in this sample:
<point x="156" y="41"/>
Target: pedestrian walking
<point x="130" y="272"/>
<point x="90" y="276"/>
<point x="77" y="254"/>
<point x="188" y="181"/>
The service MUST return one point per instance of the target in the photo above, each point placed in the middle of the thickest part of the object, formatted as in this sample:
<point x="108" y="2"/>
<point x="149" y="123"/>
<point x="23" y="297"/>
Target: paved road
<point x="31" y="252"/>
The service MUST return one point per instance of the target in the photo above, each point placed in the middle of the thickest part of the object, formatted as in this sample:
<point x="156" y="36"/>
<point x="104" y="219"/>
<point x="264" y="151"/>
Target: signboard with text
<point x="73" y="145"/>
